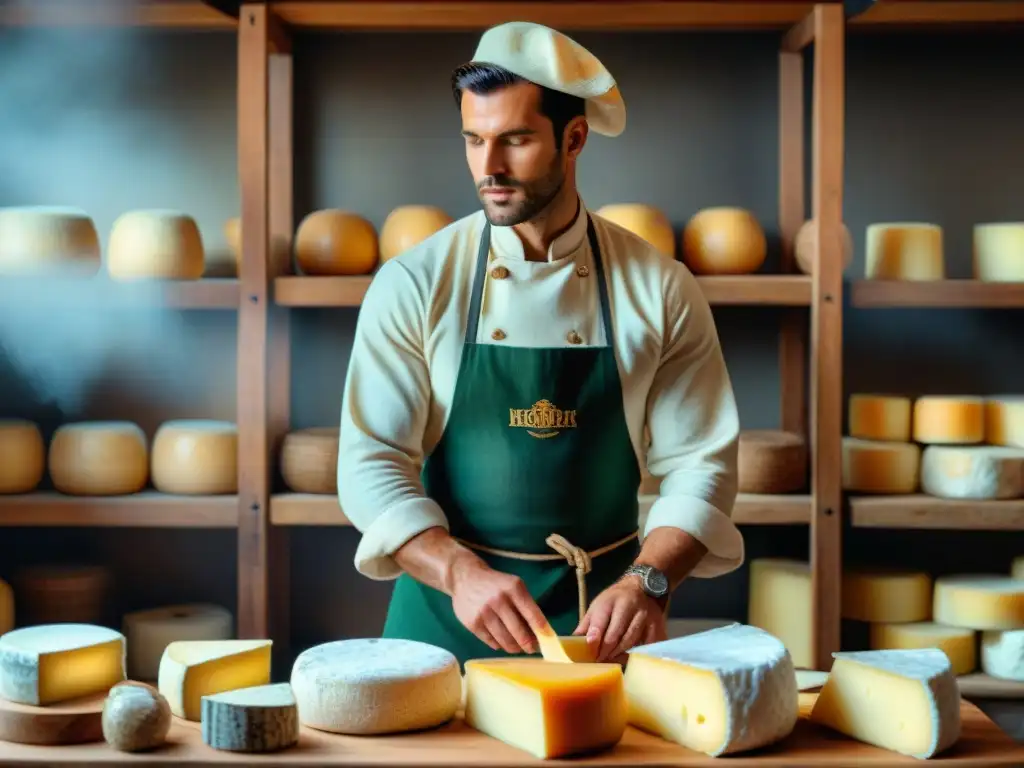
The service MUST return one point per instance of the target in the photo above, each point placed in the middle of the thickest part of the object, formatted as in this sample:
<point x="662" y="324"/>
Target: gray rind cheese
<point x="263" y="718"/>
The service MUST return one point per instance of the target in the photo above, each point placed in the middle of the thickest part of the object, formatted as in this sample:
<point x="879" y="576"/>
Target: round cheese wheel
<point x="55" y="594"/>
<point x="958" y="644"/>
<point x="309" y="460"/>
<point x="22" y="456"/>
<point x="99" y="458"/>
<point x="979" y="602"/>
<point x="409" y="225"/>
<point x="873" y="466"/>
<point x="48" y="240"/>
<point x="771" y="461"/>
<point x="155" y="244"/>
<point x="1002" y="653"/>
<point x="6" y="607"/>
<point x="136" y="717"/>
<point x="880" y="417"/>
<point x="233" y="235"/>
<point x="804" y="247"/>
<point x="886" y="595"/>
<point x="724" y="241"/>
<point x="982" y="472"/>
<point x="149" y="632"/>
<point x="949" y="420"/>
<point x="195" y="457"/>
<point x="1004" y="420"/>
<point x="999" y="252"/>
<point x="904" y="251"/>
<point x="336" y="242"/>
<point x="643" y="221"/>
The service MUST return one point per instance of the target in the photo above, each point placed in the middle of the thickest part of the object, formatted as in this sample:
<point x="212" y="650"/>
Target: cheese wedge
<point x="726" y="690"/>
<point x="566" y="650"/>
<point x="907" y="701"/>
<point x="263" y="718"/>
<point x="191" y="669"/>
<point x="50" y="663"/>
<point x="548" y="710"/>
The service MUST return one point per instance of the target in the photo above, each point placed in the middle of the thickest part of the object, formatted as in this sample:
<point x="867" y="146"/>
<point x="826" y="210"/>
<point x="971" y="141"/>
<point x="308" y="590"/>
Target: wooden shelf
<point x="172" y="14"/>
<point x="978" y="685"/>
<point x="148" y="509"/>
<point x="104" y="294"/>
<point x="921" y="511"/>
<point x="876" y="294"/>
<point x="916" y="13"/>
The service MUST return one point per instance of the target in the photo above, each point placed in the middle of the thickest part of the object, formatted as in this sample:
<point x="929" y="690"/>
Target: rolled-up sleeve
<point x="385" y="407"/>
<point x="694" y="429"/>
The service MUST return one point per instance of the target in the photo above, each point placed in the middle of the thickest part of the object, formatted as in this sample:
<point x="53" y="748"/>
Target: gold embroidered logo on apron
<point x="543" y="420"/>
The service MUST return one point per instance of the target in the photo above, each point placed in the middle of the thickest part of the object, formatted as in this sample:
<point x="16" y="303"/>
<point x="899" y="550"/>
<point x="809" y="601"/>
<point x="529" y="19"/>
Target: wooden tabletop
<point x="458" y="746"/>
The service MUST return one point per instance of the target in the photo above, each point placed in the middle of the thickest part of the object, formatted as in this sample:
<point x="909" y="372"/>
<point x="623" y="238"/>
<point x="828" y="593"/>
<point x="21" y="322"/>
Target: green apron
<point x="536" y="444"/>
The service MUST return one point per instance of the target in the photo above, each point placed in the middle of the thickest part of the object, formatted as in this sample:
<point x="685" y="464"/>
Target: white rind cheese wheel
<point x="804" y="247"/>
<point x="873" y="466"/>
<point x="309" y="460"/>
<point x="780" y="604"/>
<point x="1004" y="420"/>
<point x="1002" y="654"/>
<point x="155" y="244"/>
<point x="6" y="607"/>
<point x="195" y="457"/>
<point x="972" y="472"/>
<point x="910" y="251"/>
<point x="999" y="252"/>
<point x="644" y="221"/>
<point x="880" y="417"/>
<point x="135" y="717"/>
<point x="719" y="692"/>
<point x="336" y="242"/>
<point x="99" y="458"/>
<point x="150" y="632"/>
<point x="263" y="718"/>
<point x="771" y="461"/>
<point x="47" y="240"/>
<point x="979" y="602"/>
<point x="409" y="225"/>
<point x="22" y="456"/>
<point x="945" y="420"/>
<point x="886" y="595"/>
<point x="957" y="643"/>
<point x="192" y="669"/>
<point x="724" y="241"/>
<point x="376" y="686"/>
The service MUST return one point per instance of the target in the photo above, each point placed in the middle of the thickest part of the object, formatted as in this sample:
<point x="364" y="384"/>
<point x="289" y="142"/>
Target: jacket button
<point x="583" y="270"/>
<point x="499" y="273"/>
<point x="574" y="338"/>
<point x="497" y="334"/>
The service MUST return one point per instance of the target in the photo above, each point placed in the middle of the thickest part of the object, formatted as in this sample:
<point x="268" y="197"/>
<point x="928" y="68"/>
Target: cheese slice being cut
<point x="263" y="718"/>
<point x="51" y="663"/>
<point x="907" y="701"/>
<point x="548" y="710"/>
<point x="727" y="690"/>
<point x="566" y="650"/>
<point x="191" y="669"/>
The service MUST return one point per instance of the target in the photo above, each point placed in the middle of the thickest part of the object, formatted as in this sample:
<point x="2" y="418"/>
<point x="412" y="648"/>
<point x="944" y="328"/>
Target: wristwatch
<point x="654" y="581"/>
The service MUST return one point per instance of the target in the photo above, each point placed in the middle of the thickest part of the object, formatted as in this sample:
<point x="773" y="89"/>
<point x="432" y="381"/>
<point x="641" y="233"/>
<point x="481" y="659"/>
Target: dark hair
<point x="560" y="108"/>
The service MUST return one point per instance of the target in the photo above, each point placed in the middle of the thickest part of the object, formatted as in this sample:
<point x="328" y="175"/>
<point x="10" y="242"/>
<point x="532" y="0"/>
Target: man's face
<point x="510" y="148"/>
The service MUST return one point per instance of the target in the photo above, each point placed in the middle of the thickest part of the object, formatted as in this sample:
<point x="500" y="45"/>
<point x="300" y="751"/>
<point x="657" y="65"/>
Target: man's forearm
<point x="673" y="552"/>
<point x="436" y="559"/>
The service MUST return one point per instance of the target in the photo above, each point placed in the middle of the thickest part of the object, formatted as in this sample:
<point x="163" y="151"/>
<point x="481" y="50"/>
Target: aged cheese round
<point x="880" y="417"/>
<point x="1002" y="653"/>
<point x="979" y="602"/>
<point x="1004" y="420"/>
<point x="949" y="420"/>
<point x="336" y="242"/>
<point x="886" y="595"/>
<point x="233" y="235"/>
<point x="149" y="632"/>
<point x="52" y="594"/>
<point x="155" y="244"/>
<point x="261" y="718"/>
<point x="904" y="251"/>
<point x="22" y="456"/>
<point x="804" y="247"/>
<point x="957" y="643"/>
<point x="724" y="241"/>
<point x="409" y="225"/>
<point x="376" y="686"/>
<point x="39" y="240"/>
<point x="644" y="221"/>
<point x="195" y="457"/>
<point x="99" y="458"/>
<point x="309" y="460"/>
<point x="999" y="252"/>
<point x="771" y="461"/>
<point x="972" y="472"/>
<point x="874" y="466"/>
<point x="6" y="607"/>
<point x="136" y="717"/>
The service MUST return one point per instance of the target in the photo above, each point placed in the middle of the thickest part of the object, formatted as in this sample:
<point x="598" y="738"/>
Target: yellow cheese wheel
<point x="959" y="645"/>
<point x="880" y="417"/>
<point x="999" y="252"/>
<point x="804" y="247"/>
<point x="309" y="460"/>
<point x="771" y="461"/>
<point x="645" y="222"/>
<point x="195" y="457"/>
<point x="979" y="601"/>
<point x="336" y="242"/>
<point x="6" y="607"/>
<point x="874" y="466"/>
<point x="949" y="420"/>
<point x="1004" y="420"/>
<point x="724" y="241"/>
<point x="904" y="251"/>
<point x="409" y="225"/>
<point x="22" y="456"/>
<point x="155" y="244"/>
<point x="48" y="240"/>
<point x="780" y="603"/>
<point x="886" y="595"/>
<point x="99" y="458"/>
<point x="233" y="235"/>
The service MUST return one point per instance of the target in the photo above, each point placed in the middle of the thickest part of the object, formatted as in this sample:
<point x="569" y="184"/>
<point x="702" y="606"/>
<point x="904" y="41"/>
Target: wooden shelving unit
<point x="924" y="14"/>
<point x="936" y="294"/>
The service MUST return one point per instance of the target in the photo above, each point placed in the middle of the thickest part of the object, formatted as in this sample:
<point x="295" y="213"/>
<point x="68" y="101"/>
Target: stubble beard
<point x="537" y="196"/>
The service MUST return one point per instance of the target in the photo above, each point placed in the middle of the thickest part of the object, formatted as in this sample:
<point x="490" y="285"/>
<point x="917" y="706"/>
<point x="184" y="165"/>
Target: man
<point x="502" y="378"/>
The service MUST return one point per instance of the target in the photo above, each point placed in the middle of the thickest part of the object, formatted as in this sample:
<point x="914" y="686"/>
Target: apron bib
<point x="536" y="444"/>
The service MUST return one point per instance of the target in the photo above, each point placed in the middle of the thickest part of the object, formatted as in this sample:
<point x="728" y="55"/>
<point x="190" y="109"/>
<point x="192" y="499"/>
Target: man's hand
<point x="622" y="617"/>
<point x="496" y="607"/>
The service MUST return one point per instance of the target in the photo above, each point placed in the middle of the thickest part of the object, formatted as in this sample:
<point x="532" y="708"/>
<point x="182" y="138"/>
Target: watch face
<point x="655" y="582"/>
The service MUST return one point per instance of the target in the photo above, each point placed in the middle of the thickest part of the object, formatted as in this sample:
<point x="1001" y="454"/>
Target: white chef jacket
<point x="408" y="346"/>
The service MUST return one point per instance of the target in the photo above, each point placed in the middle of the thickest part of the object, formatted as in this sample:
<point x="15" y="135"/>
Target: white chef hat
<point x="549" y="58"/>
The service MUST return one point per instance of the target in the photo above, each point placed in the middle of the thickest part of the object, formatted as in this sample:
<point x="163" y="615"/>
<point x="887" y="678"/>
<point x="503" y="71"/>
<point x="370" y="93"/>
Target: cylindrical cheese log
<point x="409" y="225"/>
<point x="999" y="252"/>
<point x="972" y="472"/>
<point x="1002" y="653"/>
<point x="99" y="458"/>
<point x="804" y="247"/>
<point x="261" y="718"/>
<point x="880" y="417"/>
<point x="195" y="457"/>
<point x="155" y="244"/>
<point x="48" y="240"/>
<point x="873" y="466"/>
<point x="22" y="456"/>
<point x="724" y="241"/>
<point x="1004" y="420"/>
<point x="979" y="602"/>
<point x="149" y="632"/>
<point x="957" y="643"/>
<point x="886" y="595"/>
<point x="6" y="607"/>
<point x="336" y="242"/>
<point x="904" y="251"/>
<point x="136" y="717"/>
<point x="309" y="460"/>
<point x="944" y="420"/>
<point x="54" y="594"/>
<point x="233" y="235"/>
<point x="771" y="461"/>
<point x="645" y="222"/>
<point x="780" y="604"/>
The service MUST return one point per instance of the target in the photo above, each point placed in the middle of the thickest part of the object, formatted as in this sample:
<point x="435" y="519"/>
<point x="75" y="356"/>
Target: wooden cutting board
<point x="70" y="722"/>
<point x="458" y="746"/>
